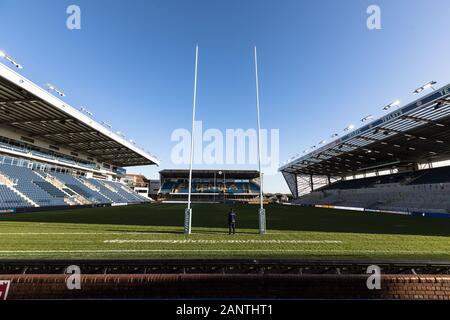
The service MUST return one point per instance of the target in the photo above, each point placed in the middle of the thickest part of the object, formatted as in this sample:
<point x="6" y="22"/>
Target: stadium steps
<point x="418" y="177"/>
<point x="125" y="192"/>
<point x="22" y="177"/>
<point x="80" y="188"/>
<point x="9" y="199"/>
<point x="57" y="184"/>
<point x="73" y="197"/>
<point x="93" y="187"/>
<point x="5" y="180"/>
<point x="109" y="191"/>
<point x="49" y="188"/>
<point x="135" y="194"/>
<point x="24" y="197"/>
<point x="117" y="189"/>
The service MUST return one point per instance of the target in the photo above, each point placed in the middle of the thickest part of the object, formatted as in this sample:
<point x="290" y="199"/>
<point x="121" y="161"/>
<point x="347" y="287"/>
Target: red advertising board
<point x="4" y="287"/>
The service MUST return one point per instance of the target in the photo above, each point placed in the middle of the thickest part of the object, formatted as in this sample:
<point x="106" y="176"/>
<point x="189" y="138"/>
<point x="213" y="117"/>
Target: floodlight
<point x="3" y="55"/>
<point x="106" y="124"/>
<point x="349" y="127"/>
<point x="366" y="118"/>
<point x="86" y="111"/>
<point x="54" y="89"/>
<point x="395" y="103"/>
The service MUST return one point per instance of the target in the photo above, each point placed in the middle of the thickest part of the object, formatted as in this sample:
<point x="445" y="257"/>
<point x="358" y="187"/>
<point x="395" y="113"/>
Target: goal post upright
<point x="262" y="211"/>
<point x="188" y="210"/>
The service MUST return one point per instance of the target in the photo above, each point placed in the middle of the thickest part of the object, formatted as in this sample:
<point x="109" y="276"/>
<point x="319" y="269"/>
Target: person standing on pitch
<point x="231" y="221"/>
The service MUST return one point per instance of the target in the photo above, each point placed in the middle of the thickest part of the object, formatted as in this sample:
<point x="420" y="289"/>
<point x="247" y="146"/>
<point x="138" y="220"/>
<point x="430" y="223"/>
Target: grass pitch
<point x="156" y="231"/>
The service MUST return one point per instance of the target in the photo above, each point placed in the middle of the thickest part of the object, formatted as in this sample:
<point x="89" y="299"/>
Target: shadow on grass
<point x="159" y="217"/>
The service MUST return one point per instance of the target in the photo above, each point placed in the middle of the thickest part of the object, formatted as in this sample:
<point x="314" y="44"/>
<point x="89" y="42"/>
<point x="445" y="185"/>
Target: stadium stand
<point x="26" y="183"/>
<point x="209" y="185"/>
<point x="399" y="162"/>
<point x="76" y="185"/>
<point x="50" y="189"/>
<point x="231" y="187"/>
<point x="53" y="155"/>
<point x="32" y="184"/>
<point x="108" y="193"/>
<point x="125" y="192"/>
<point x="10" y="199"/>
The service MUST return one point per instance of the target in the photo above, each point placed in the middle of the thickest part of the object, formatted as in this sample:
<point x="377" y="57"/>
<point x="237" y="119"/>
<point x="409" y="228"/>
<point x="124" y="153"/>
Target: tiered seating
<point x="25" y="178"/>
<point x="372" y="181"/>
<point x="113" y="196"/>
<point x="50" y="189"/>
<point x="254" y="188"/>
<point x="81" y="191"/>
<point x="414" y="191"/>
<point x="9" y="199"/>
<point x="131" y="196"/>
<point x="167" y="187"/>
<point x="68" y="191"/>
<point x="437" y="175"/>
<point x="77" y="186"/>
<point x="208" y="187"/>
<point x="43" y="193"/>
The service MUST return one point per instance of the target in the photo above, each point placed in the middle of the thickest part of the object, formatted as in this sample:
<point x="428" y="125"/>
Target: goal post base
<point x="262" y="220"/>
<point x="188" y="221"/>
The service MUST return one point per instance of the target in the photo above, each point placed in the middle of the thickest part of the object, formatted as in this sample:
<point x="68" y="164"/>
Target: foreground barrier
<point x="157" y="286"/>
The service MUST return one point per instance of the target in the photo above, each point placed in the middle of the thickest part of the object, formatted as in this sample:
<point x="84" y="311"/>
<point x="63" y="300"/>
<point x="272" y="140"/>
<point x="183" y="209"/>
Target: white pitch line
<point x="205" y="241"/>
<point x="78" y="233"/>
<point x="220" y="250"/>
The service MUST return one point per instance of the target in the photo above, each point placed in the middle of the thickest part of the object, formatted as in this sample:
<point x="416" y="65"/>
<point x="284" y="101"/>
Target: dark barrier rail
<point x="213" y="286"/>
<point x="225" y="266"/>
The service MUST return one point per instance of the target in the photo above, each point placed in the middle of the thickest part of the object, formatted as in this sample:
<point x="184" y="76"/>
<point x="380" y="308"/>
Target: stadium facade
<point x="389" y="164"/>
<point x="209" y="186"/>
<point x="53" y="155"/>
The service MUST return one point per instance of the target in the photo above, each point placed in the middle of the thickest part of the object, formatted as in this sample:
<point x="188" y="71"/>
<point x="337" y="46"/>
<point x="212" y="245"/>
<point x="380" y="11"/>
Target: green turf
<point x="155" y="231"/>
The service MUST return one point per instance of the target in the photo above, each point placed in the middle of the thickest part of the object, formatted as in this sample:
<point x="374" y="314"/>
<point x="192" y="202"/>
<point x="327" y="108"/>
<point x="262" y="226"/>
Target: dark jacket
<point x="231" y="217"/>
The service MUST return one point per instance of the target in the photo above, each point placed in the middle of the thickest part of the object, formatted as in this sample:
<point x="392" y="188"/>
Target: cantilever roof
<point x="417" y="132"/>
<point x="28" y="107"/>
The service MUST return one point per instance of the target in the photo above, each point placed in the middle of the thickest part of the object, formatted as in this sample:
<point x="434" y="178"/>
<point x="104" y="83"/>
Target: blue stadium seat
<point x="80" y="188"/>
<point x="10" y="200"/>
<point x="26" y="180"/>
<point x="208" y="187"/>
<point x="113" y="196"/>
<point x="125" y="192"/>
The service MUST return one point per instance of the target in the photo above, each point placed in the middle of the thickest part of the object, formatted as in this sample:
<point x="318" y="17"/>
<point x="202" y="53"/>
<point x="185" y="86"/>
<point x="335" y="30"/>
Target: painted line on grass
<point x="276" y="251"/>
<point x="81" y="233"/>
<point x="238" y="241"/>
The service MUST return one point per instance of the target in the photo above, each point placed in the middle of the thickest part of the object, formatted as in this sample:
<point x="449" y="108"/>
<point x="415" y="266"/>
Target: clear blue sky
<point x="131" y="63"/>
